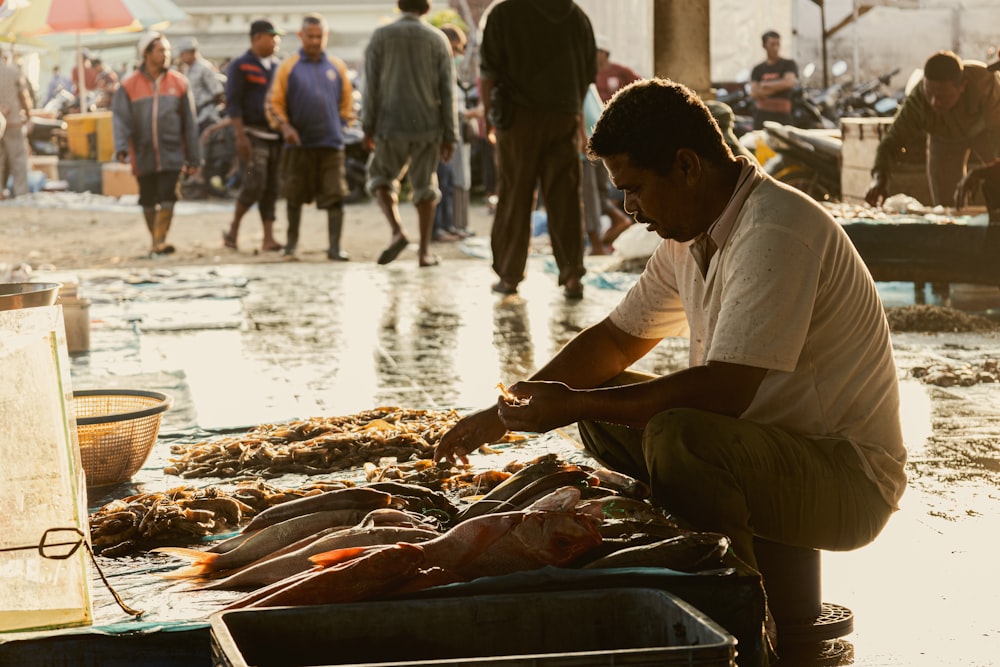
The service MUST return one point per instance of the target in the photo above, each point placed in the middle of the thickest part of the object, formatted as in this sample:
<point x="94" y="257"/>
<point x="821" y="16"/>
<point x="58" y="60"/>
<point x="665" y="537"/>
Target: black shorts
<point x="161" y="187"/>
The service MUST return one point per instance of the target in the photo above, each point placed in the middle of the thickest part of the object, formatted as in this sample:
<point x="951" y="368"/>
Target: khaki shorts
<point x="394" y="158"/>
<point x="313" y="174"/>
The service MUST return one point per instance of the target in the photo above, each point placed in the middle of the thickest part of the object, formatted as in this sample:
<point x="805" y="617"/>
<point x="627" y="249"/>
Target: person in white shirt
<point x="785" y="425"/>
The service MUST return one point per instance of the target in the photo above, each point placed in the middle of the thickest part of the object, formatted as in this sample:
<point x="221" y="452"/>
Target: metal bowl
<point x="27" y="295"/>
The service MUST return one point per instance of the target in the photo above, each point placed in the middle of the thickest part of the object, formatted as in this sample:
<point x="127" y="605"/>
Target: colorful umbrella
<point x="46" y="17"/>
<point x="155" y="14"/>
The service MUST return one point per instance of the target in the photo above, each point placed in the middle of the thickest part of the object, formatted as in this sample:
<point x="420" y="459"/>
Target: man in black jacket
<point x="537" y="61"/>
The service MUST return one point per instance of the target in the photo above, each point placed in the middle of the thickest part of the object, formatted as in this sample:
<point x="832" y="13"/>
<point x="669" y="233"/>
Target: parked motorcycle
<point x="47" y="136"/>
<point x="869" y="99"/>
<point x="805" y="159"/>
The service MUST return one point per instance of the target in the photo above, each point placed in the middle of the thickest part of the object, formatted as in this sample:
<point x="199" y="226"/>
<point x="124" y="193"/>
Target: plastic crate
<point x="611" y="626"/>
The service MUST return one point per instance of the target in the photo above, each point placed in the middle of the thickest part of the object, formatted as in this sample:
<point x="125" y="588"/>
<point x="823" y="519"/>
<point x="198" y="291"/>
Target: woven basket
<point x="117" y="429"/>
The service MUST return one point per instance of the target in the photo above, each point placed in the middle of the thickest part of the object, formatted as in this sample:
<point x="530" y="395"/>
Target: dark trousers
<point x="540" y="147"/>
<point x="741" y="478"/>
<point x="444" y="214"/>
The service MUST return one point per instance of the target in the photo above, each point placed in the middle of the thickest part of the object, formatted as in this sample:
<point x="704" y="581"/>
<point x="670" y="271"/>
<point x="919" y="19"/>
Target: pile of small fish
<point x="960" y="374"/>
<point x="927" y="318"/>
<point x="317" y="445"/>
<point x="185" y="514"/>
<point x="389" y="538"/>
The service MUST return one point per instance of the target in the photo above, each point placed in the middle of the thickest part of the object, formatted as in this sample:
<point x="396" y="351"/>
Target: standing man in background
<point x="957" y="106"/>
<point x="203" y="77"/>
<point x="771" y="84"/>
<point x="537" y="61"/>
<point x="248" y="78"/>
<point x="409" y="117"/>
<point x="310" y="102"/>
<point x="155" y="128"/>
<point x="610" y="75"/>
<point x="15" y="113"/>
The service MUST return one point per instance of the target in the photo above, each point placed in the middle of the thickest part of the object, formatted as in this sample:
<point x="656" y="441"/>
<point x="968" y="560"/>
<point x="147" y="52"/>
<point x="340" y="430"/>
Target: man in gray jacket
<point x="409" y="118"/>
<point x="538" y="58"/>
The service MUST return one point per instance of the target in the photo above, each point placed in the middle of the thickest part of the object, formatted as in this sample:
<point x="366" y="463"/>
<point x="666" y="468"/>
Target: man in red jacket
<point x="155" y="128"/>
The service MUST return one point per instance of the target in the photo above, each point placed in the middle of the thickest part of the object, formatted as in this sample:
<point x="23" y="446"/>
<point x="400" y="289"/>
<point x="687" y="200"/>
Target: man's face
<point x="943" y="95"/>
<point x="265" y="44"/>
<point x="662" y="202"/>
<point x="772" y="45"/>
<point x="187" y="57"/>
<point x="157" y="56"/>
<point x="313" y="39"/>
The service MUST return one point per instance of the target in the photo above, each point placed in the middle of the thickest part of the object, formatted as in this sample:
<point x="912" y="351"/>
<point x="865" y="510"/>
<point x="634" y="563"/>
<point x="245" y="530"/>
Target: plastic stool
<point x="792" y="583"/>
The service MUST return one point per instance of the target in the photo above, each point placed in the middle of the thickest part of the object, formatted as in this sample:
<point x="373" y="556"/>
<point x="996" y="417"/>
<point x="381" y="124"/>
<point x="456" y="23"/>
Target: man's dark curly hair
<point x="650" y="119"/>
<point x="944" y="66"/>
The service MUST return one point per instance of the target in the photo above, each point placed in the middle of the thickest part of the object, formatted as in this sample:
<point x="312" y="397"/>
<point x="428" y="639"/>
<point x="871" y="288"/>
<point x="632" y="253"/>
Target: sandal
<point x="392" y="252"/>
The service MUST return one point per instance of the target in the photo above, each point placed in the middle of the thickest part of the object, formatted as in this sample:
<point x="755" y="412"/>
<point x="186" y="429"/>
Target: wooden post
<point x="681" y="43"/>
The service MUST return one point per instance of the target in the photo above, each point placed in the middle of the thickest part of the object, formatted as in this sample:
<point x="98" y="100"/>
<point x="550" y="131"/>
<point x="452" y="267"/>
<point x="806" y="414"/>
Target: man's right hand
<point x="878" y="189"/>
<point x="290" y="135"/>
<point x="243" y="148"/>
<point x="468" y="435"/>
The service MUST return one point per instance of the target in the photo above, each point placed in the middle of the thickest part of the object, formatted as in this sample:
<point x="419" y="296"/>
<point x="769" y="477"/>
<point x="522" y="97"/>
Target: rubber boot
<point x="163" y="219"/>
<point x="335" y="225"/>
<point x="294" y="220"/>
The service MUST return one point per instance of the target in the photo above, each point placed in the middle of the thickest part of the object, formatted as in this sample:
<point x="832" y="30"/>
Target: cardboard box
<point x="860" y="138"/>
<point x="47" y="164"/>
<point x="117" y="180"/>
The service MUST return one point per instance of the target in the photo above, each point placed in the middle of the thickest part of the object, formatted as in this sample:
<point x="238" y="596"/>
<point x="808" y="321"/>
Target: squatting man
<point x="786" y="423"/>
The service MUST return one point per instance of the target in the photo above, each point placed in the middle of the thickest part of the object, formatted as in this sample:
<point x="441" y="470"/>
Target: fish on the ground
<point x="279" y="566"/>
<point x="361" y="498"/>
<point x="683" y="552"/>
<point x="496" y="499"/>
<point x="257" y="544"/>
<point x="492" y="544"/>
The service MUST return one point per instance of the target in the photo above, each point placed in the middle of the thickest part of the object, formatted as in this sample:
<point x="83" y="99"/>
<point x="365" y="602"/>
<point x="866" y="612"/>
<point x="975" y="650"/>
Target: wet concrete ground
<point x="276" y="342"/>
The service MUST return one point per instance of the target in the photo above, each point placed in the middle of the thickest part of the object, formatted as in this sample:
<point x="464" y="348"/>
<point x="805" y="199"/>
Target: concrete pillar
<point x="681" y="46"/>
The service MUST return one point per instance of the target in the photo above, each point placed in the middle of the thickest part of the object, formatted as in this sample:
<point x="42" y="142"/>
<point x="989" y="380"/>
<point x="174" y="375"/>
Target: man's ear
<point x="688" y="163"/>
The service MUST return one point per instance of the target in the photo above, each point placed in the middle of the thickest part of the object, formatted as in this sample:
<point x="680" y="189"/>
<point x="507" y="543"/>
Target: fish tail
<point x="202" y="562"/>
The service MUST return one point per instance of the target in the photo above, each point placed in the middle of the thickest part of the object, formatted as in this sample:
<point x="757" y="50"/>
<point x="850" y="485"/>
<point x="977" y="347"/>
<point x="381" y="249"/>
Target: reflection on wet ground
<point x="296" y="340"/>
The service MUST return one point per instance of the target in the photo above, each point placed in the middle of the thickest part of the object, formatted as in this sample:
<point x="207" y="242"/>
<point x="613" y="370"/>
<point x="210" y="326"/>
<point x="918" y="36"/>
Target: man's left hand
<point x="968" y="185"/>
<point x="447" y="150"/>
<point x="543" y="406"/>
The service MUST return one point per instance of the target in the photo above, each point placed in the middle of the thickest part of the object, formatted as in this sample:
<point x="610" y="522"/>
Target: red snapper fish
<point x="489" y="545"/>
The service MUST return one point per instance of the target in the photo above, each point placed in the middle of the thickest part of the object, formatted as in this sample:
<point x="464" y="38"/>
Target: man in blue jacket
<point x="309" y="103"/>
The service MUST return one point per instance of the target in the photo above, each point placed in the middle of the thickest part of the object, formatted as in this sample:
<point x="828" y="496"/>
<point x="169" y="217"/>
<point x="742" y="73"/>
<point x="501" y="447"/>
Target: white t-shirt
<point x="785" y="291"/>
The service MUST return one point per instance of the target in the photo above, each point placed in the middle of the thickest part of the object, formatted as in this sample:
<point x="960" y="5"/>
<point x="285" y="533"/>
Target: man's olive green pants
<point x="742" y="479"/>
